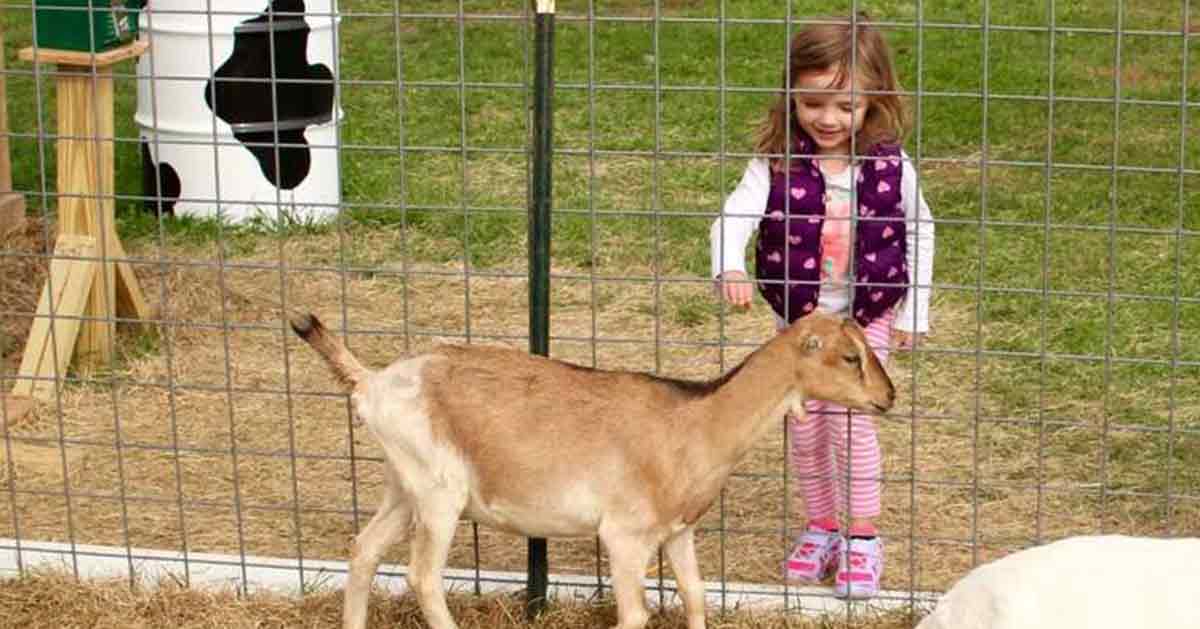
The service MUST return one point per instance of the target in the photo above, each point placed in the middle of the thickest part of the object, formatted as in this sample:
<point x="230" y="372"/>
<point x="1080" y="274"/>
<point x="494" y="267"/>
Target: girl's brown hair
<point x="838" y="44"/>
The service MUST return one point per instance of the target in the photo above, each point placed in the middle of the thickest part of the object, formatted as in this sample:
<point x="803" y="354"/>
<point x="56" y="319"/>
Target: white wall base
<point x="285" y="576"/>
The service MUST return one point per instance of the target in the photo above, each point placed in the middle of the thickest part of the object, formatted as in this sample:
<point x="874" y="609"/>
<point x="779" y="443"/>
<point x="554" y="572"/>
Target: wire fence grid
<point x="1049" y="393"/>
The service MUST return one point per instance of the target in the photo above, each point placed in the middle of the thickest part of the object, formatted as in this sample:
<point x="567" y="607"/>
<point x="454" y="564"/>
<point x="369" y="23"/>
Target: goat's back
<point x="491" y="393"/>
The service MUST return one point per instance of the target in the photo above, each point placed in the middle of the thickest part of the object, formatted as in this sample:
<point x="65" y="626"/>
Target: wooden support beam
<point x="54" y="332"/>
<point x="83" y="58"/>
<point x="131" y="303"/>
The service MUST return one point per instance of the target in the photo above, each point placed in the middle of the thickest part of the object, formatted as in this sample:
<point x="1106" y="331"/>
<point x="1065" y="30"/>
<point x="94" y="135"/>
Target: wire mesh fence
<point x="370" y="160"/>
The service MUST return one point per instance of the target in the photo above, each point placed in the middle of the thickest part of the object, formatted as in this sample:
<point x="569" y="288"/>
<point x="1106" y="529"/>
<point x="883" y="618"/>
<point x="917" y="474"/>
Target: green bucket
<point x="85" y="25"/>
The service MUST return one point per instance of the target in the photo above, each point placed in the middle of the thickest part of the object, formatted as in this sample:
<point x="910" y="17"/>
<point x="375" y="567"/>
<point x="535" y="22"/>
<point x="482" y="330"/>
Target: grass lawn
<point x="1060" y="390"/>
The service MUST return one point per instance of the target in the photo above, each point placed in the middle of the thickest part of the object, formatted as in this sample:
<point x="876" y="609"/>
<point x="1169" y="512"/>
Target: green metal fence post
<point x="539" y="249"/>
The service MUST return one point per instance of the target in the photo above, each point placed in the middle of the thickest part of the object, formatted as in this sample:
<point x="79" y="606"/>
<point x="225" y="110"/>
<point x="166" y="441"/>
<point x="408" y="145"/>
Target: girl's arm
<point x="913" y="316"/>
<point x="739" y="218"/>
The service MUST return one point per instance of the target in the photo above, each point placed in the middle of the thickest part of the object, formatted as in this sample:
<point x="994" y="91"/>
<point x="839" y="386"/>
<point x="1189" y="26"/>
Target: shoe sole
<point x="855" y="595"/>
<point x="790" y="580"/>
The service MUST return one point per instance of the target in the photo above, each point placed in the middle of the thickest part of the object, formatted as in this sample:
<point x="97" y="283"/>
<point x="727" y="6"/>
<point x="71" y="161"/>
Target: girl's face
<point x="831" y="118"/>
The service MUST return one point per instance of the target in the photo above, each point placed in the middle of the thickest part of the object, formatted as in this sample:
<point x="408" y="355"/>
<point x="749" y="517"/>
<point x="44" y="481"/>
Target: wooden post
<point x="85" y="210"/>
<point x="85" y="188"/>
<point x="12" y="204"/>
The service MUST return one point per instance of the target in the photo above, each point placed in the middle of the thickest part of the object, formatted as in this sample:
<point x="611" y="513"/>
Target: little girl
<point x="840" y="231"/>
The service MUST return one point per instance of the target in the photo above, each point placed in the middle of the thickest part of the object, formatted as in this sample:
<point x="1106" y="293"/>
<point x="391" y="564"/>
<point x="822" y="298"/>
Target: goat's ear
<point x="855" y="333"/>
<point x="812" y="343"/>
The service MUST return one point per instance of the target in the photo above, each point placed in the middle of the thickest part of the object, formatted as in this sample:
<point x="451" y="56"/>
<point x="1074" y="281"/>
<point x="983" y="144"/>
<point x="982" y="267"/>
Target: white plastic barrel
<point x="209" y="156"/>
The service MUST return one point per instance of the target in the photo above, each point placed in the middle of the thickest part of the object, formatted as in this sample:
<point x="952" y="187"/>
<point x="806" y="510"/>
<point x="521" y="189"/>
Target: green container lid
<point x="85" y="25"/>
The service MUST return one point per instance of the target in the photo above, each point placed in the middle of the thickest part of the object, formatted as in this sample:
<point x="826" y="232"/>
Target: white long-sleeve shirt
<point x="744" y="208"/>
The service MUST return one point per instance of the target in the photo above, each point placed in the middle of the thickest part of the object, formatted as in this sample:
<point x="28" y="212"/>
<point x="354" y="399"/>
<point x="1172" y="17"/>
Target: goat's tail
<point x="345" y="366"/>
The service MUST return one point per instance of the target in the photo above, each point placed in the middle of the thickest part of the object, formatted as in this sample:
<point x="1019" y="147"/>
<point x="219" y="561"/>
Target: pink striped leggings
<point x="819" y="444"/>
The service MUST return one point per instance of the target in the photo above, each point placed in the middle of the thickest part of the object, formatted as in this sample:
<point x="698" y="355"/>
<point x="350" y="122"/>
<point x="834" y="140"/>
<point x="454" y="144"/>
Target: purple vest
<point x="789" y="240"/>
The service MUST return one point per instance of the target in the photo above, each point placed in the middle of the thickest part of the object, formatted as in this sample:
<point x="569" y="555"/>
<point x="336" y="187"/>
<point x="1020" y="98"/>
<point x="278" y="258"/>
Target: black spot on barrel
<point x="160" y="184"/>
<point x="269" y="93"/>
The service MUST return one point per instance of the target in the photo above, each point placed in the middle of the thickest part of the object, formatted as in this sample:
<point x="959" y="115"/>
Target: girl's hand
<point x="735" y="288"/>
<point x="904" y="340"/>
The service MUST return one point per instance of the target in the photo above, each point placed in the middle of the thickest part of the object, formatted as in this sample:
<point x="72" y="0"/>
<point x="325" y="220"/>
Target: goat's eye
<point x="853" y="359"/>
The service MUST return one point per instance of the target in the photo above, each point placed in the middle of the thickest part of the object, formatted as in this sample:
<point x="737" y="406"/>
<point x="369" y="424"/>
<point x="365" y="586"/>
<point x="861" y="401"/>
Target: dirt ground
<point x="193" y="440"/>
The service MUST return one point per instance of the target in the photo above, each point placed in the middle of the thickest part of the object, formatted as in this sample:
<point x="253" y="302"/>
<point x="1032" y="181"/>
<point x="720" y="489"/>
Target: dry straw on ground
<point x="58" y="601"/>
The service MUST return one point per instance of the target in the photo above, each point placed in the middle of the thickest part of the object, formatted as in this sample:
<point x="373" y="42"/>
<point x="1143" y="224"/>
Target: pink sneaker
<point x="813" y="557"/>
<point x="859" y="569"/>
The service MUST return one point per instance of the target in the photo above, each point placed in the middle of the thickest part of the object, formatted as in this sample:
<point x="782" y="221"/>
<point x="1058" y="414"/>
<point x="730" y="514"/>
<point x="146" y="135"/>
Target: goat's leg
<point x="627" y="558"/>
<point x="433" y="533"/>
<point x="390" y="522"/>
<point x="681" y="553"/>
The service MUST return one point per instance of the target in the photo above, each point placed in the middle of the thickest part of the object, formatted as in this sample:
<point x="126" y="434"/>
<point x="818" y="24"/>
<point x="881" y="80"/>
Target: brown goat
<point x="543" y="448"/>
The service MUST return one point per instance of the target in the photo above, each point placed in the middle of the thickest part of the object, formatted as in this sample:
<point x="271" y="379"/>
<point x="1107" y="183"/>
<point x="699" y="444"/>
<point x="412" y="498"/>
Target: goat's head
<point x="833" y="362"/>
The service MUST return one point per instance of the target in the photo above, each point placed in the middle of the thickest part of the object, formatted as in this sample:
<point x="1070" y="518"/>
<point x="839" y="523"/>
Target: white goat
<point x="543" y="448"/>
<point x="1090" y="582"/>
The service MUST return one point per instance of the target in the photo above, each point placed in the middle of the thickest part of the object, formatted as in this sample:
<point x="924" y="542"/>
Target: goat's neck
<point x="752" y="400"/>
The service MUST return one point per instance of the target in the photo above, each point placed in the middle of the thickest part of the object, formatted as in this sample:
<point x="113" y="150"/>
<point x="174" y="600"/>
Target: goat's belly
<point x="567" y="518"/>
